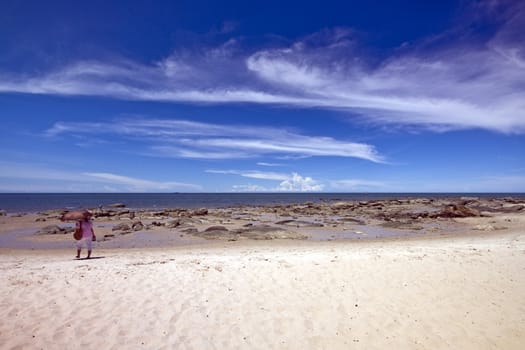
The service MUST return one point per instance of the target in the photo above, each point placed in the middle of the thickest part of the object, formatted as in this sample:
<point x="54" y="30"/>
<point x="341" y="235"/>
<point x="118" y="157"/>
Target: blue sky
<point x="209" y="96"/>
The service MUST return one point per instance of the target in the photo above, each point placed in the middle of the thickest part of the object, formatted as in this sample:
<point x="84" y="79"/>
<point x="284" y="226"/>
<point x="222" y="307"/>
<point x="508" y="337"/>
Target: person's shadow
<point x="92" y="258"/>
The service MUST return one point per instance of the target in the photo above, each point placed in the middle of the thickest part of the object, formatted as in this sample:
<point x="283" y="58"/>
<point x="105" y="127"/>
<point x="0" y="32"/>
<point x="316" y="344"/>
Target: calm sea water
<point x="33" y="202"/>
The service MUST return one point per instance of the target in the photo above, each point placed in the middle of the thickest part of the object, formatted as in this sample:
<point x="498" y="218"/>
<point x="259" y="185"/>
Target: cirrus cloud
<point x="190" y="139"/>
<point x="479" y="84"/>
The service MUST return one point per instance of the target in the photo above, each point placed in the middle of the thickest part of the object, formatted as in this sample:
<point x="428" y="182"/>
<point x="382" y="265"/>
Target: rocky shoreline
<point x="330" y="220"/>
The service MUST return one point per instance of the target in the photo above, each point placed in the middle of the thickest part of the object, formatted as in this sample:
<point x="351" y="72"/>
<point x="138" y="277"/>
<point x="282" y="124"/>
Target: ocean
<point x="34" y="202"/>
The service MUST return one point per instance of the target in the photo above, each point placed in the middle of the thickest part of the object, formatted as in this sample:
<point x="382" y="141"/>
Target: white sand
<point x="448" y="293"/>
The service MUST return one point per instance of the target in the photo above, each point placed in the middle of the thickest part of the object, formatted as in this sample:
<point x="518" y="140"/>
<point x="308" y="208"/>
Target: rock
<point x="40" y="219"/>
<point x="512" y="208"/>
<point x="512" y="200"/>
<point x="353" y="220"/>
<point x="200" y="212"/>
<point x="137" y="226"/>
<point x="75" y="215"/>
<point x="468" y="199"/>
<point x="265" y="232"/>
<point x="488" y="227"/>
<point x="342" y="205"/>
<point x="116" y="205"/>
<point x="299" y="223"/>
<point x="456" y="211"/>
<point x="216" y="228"/>
<point x="123" y="214"/>
<point x="121" y="227"/>
<point x="190" y="230"/>
<point x="216" y="232"/>
<point x="53" y="230"/>
<point x="3" y="212"/>
<point x="189" y="221"/>
<point x="402" y="225"/>
<point x="105" y="213"/>
<point x="256" y="232"/>
<point x="173" y="223"/>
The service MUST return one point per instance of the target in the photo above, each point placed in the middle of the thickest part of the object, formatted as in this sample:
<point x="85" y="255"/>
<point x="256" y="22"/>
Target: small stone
<point x="121" y="227"/>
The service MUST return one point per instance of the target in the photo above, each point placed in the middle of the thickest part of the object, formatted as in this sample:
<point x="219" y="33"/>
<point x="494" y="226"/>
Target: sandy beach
<point x="460" y="291"/>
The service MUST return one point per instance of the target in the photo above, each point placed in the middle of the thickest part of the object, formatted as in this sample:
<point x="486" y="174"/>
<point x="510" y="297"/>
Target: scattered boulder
<point x="105" y="213"/>
<point x="54" y="229"/>
<point x="121" y="227"/>
<point x="488" y="227"/>
<point x="255" y="232"/>
<point x="512" y="208"/>
<point x="216" y="232"/>
<point x="116" y="205"/>
<point x="456" y="211"/>
<point x="342" y="205"/>
<point x="3" y="212"/>
<point x="188" y="221"/>
<point x="352" y="220"/>
<point x="173" y="223"/>
<point x="200" y="212"/>
<point x="137" y="226"/>
<point x="216" y="228"/>
<point x="266" y="232"/>
<point x="190" y="230"/>
<point x="299" y="223"/>
<point x="75" y="215"/>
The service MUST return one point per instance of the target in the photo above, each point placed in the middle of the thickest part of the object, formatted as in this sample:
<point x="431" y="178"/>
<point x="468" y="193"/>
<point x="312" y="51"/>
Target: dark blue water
<point x="33" y="202"/>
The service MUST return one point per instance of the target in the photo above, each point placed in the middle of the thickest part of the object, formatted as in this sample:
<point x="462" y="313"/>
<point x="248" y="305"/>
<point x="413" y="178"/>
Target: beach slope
<point x="463" y="292"/>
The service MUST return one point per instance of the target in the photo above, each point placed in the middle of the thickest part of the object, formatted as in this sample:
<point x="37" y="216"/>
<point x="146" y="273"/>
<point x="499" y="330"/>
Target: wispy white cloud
<point x="139" y="185"/>
<point x="187" y="139"/>
<point x="254" y="174"/>
<point x="16" y="175"/>
<point x="269" y="164"/>
<point x="476" y="88"/>
<point x="459" y="86"/>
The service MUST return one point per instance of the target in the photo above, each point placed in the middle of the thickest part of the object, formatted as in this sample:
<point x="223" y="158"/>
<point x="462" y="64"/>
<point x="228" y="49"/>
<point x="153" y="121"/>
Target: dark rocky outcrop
<point x="456" y="211"/>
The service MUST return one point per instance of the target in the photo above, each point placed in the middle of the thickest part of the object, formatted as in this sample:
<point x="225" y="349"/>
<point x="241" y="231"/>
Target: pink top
<point x="87" y="229"/>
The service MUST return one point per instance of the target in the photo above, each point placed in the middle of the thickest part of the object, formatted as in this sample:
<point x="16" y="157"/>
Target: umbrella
<point x="76" y="215"/>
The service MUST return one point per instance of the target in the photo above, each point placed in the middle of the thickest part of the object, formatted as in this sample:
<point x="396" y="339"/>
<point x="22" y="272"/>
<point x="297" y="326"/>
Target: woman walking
<point x="88" y="236"/>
